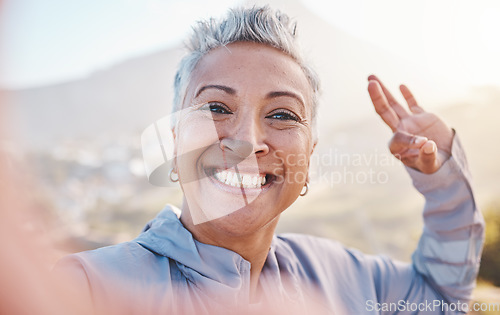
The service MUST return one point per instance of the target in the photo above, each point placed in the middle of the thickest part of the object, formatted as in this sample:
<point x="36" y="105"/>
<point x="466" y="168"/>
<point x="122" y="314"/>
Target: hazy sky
<point x="46" y="41"/>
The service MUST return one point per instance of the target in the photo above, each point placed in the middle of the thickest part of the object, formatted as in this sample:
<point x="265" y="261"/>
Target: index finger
<point x="382" y="107"/>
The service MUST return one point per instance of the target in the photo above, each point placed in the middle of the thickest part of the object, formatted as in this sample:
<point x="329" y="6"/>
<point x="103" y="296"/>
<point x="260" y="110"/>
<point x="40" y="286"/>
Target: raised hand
<point x="421" y="140"/>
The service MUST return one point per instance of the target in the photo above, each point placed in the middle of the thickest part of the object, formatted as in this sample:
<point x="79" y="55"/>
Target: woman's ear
<point x="314" y="146"/>
<point x="311" y="153"/>
<point x="309" y="162"/>
<point x="174" y="157"/>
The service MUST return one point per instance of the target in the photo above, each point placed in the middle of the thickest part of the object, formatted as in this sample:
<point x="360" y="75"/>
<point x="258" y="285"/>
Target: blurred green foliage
<point x="490" y="260"/>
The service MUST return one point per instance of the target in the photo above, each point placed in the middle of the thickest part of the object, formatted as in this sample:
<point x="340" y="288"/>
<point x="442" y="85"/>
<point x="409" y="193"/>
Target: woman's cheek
<point x="195" y="134"/>
<point x="294" y="160"/>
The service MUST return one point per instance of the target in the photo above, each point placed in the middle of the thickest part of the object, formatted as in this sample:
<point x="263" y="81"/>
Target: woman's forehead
<point x="250" y="66"/>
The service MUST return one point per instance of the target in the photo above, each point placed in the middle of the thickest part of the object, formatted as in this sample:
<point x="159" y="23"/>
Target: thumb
<point x="428" y="158"/>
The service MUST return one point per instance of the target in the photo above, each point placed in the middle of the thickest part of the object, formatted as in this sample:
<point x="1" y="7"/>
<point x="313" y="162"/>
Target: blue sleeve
<point x="446" y="261"/>
<point x="449" y="250"/>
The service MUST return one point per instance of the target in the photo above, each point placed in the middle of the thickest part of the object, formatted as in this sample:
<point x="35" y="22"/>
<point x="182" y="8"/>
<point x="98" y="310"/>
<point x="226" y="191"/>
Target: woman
<point x="244" y="129"/>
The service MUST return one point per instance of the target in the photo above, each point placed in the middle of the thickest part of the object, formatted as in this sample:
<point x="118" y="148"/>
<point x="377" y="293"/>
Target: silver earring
<point x="173" y="180"/>
<point x="303" y="193"/>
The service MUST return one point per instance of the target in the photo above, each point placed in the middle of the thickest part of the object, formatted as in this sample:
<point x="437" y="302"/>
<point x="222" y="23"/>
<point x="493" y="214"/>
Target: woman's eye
<point x="218" y="108"/>
<point x="284" y="115"/>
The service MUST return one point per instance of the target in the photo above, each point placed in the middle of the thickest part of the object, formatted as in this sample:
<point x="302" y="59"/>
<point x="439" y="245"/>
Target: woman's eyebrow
<point x="285" y="93"/>
<point x="224" y="88"/>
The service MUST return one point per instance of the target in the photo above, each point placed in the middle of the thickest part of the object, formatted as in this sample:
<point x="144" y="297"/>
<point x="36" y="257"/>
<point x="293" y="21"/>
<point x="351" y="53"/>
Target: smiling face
<point x="244" y="137"/>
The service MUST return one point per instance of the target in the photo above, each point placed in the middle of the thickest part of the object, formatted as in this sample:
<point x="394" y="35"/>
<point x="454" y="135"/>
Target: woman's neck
<point x="253" y="247"/>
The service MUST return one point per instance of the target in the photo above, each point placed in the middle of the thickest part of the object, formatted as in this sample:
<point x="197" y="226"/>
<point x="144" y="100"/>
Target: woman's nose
<point x="245" y="138"/>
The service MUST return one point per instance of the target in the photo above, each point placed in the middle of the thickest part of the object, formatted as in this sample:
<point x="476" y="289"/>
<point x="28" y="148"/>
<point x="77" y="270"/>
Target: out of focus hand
<point x="421" y="140"/>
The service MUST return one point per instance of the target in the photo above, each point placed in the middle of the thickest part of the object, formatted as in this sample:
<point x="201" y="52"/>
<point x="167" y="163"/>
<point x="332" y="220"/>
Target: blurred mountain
<point x="120" y="100"/>
<point x="124" y="98"/>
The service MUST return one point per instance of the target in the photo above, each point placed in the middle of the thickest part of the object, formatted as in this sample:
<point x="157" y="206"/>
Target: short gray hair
<point x="256" y="24"/>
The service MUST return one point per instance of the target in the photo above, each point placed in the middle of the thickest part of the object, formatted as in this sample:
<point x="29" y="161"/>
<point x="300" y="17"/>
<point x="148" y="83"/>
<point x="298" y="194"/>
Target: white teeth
<point x="255" y="179"/>
<point x="247" y="180"/>
<point x="222" y="176"/>
<point x="229" y="176"/>
<point x="240" y="180"/>
<point x="234" y="180"/>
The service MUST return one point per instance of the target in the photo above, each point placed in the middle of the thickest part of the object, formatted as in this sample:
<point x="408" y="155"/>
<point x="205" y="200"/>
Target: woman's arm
<point x="446" y="261"/>
<point x="449" y="250"/>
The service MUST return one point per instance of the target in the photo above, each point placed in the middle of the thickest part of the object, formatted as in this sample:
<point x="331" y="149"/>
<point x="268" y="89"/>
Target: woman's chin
<point x="244" y="222"/>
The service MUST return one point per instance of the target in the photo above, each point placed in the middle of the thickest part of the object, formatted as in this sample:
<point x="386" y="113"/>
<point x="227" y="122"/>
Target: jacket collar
<point x="210" y="267"/>
<point x="218" y="271"/>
